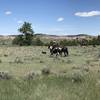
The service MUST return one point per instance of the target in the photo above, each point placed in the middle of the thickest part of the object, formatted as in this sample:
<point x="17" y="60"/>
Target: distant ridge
<point x="78" y="35"/>
<point x="48" y="36"/>
<point x="40" y="34"/>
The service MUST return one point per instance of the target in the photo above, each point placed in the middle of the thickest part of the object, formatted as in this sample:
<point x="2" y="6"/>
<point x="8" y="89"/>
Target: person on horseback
<point x="58" y="50"/>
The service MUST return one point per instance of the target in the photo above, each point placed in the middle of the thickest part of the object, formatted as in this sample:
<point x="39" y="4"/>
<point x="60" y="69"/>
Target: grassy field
<point x="76" y="77"/>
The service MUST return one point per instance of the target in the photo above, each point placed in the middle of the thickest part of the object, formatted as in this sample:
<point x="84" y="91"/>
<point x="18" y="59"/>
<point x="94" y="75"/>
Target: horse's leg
<point x="67" y="52"/>
<point x="60" y="54"/>
<point x="51" y="53"/>
<point x="57" y="54"/>
<point x="64" y="54"/>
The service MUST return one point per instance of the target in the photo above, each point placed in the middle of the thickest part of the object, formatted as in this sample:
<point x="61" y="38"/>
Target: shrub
<point x="4" y="75"/>
<point x="69" y="42"/>
<point x="5" y="55"/>
<point x="77" y="77"/>
<point x="69" y="61"/>
<point x="18" y="40"/>
<point x="37" y="42"/>
<point x="32" y="75"/>
<point x="18" y="60"/>
<point x="45" y="71"/>
<point x="41" y="61"/>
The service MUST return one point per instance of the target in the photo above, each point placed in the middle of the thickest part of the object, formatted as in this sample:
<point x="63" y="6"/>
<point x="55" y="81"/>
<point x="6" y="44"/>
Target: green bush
<point x="27" y="35"/>
<point x="37" y="42"/>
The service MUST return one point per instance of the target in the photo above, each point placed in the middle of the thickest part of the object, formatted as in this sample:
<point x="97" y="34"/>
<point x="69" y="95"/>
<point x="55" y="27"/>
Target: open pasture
<point x="21" y="60"/>
<point x="76" y="77"/>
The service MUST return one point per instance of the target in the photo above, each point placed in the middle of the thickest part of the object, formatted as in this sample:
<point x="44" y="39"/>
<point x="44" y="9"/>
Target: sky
<point x="56" y="17"/>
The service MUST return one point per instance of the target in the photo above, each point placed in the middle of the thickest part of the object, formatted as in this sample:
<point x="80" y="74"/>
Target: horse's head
<point x="50" y="47"/>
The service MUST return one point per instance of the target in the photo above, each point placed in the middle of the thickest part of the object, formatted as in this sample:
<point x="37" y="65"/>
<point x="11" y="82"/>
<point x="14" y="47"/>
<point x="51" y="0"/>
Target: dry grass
<point x="40" y="77"/>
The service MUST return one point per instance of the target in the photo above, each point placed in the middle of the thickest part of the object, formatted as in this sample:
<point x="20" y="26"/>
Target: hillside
<point x="46" y="36"/>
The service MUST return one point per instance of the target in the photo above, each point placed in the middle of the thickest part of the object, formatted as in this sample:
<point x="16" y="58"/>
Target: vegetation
<point x="76" y="42"/>
<point x="23" y="76"/>
<point x="27" y="35"/>
<point x="37" y="42"/>
<point x="69" y="42"/>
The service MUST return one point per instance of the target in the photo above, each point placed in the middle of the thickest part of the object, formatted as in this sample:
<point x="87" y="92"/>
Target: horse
<point x="65" y="51"/>
<point x="58" y="50"/>
<point x="54" y="50"/>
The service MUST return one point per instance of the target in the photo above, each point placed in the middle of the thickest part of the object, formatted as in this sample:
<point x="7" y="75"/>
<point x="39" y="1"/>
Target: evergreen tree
<point x="27" y="35"/>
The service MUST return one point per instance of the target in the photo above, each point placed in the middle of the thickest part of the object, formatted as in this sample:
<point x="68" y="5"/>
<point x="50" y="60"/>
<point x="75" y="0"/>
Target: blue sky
<point x="61" y="17"/>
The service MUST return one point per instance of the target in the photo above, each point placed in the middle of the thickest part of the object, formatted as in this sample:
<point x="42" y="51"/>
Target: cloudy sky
<point x="62" y="17"/>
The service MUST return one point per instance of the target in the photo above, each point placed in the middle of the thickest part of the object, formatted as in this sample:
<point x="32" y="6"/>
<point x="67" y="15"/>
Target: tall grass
<point x="50" y="88"/>
<point x="76" y="77"/>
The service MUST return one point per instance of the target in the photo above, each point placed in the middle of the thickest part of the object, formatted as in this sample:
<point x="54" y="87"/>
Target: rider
<point x="55" y="44"/>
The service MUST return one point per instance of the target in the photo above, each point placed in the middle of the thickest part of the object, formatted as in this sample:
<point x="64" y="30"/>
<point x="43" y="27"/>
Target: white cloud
<point x="20" y="22"/>
<point x="87" y="14"/>
<point x="8" y="12"/>
<point x="60" y="19"/>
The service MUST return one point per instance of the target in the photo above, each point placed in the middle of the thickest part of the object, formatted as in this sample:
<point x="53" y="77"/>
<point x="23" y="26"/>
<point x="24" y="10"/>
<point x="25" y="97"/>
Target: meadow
<point x="37" y="76"/>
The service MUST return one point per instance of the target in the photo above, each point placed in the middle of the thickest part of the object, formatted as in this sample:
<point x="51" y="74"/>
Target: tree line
<point x="27" y="38"/>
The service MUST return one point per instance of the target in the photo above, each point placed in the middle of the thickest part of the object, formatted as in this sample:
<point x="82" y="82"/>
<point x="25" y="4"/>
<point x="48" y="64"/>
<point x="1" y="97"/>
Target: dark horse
<point x="65" y="51"/>
<point x="58" y="50"/>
